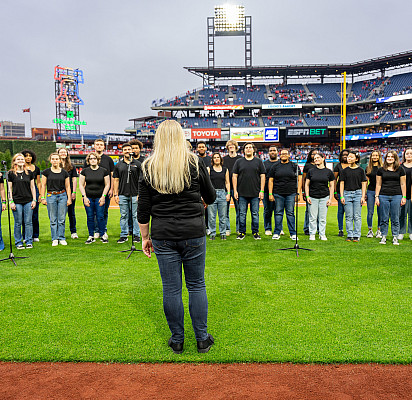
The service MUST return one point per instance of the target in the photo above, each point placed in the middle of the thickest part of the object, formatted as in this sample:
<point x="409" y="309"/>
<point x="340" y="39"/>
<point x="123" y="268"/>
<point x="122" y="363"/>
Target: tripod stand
<point x="11" y="256"/>
<point x="296" y="246"/>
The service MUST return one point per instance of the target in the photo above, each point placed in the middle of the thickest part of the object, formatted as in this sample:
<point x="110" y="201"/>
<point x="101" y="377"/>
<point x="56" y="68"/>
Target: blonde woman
<point x="170" y="195"/>
<point x="57" y="182"/>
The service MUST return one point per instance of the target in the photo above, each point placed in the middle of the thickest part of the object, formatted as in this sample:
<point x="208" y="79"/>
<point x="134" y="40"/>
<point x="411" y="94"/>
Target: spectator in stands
<point x="71" y="170"/>
<point x="22" y="199"/>
<point x="269" y="206"/>
<point x="310" y="163"/>
<point x="248" y="188"/>
<point x="30" y="159"/>
<point x="229" y="162"/>
<point x="390" y="194"/>
<point x="94" y="184"/>
<point x="319" y="189"/>
<point x="352" y="195"/>
<point x="375" y="162"/>
<point x="283" y="189"/>
<point x="343" y="163"/>
<point x="219" y="176"/>
<point x="405" y="218"/>
<point x="57" y="182"/>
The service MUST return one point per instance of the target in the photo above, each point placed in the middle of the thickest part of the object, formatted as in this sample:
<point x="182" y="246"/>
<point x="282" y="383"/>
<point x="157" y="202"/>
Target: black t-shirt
<point x="1" y="178"/>
<point x="128" y="177"/>
<point x="284" y="178"/>
<point x="372" y="178"/>
<point x="319" y="182"/>
<point x="35" y="173"/>
<point x="94" y="181"/>
<point x="391" y="181"/>
<point x="21" y="186"/>
<point x="72" y="174"/>
<point x="207" y="160"/>
<point x="408" y="172"/>
<point x="268" y="165"/>
<point x="229" y="163"/>
<point x="353" y="178"/>
<point x="338" y="168"/>
<point x="56" y="181"/>
<point x="105" y="162"/>
<point x="308" y="166"/>
<point x="218" y="178"/>
<point x="248" y="180"/>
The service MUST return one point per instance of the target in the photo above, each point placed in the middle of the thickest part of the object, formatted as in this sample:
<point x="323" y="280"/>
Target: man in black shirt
<point x="229" y="162"/>
<point x="207" y="161"/>
<point x="269" y="206"/>
<point x="125" y="189"/>
<point x="248" y="188"/>
<point x="137" y="147"/>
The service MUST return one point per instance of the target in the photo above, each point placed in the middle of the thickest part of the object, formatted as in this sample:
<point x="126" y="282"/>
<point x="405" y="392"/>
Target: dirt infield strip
<point x="203" y="381"/>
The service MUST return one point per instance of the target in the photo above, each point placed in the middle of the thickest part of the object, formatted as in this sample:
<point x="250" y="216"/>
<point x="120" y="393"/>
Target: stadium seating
<point x="399" y="114"/>
<point x="325" y="92"/>
<point x="199" y="122"/>
<point x="283" y="121"/>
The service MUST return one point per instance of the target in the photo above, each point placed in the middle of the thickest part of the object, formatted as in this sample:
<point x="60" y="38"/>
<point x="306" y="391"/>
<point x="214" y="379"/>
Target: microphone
<point x="4" y="162"/>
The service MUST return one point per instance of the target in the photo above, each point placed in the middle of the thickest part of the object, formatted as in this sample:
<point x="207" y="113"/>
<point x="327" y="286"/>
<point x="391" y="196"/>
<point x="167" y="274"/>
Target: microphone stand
<point x="296" y="246"/>
<point x="133" y="248"/>
<point x="11" y="256"/>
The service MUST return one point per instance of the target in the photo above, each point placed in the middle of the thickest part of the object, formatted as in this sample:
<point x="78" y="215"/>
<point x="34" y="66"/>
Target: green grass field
<point x="344" y="302"/>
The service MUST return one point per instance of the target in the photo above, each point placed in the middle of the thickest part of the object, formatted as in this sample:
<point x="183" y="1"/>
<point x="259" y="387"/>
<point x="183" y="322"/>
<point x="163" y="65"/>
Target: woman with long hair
<point x="71" y="170"/>
<point x="219" y="176"/>
<point x="30" y="158"/>
<point x="57" y="182"/>
<point x="170" y="195"/>
<point x="94" y="184"/>
<point x="22" y="198"/>
<point x="390" y="194"/>
<point x="319" y="189"/>
<point x="375" y="162"/>
<point x="310" y="163"/>
<point x="352" y="195"/>
<point x="339" y="167"/>
<point x="405" y="218"/>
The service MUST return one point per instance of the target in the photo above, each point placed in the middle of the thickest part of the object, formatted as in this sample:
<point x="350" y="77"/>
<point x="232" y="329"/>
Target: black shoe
<point x="136" y="239"/>
<point x="122" y="239"/>
<point x="256" y="236"/>
<point x="103" y="240"/>
<point x="176" y="347"/>
<point x="349" y="239"/>
<point x="212" y="237"/>
<point x="203" y="346"/>
<point x="306" y="232"/>
<point x="340" y="234"/>
<point x="223" y="237"/>
<point x="241" y="236"/>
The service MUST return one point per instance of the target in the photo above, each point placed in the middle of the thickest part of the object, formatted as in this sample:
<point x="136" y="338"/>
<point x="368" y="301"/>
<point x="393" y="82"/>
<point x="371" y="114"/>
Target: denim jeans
<point x="254" y="210"/>
<point x="1" y="234"/>
<point x="307" y="217"/>
<point x="72" y="216"/>
<point x="341" y="212"/>
<point x="405" y="218"/>
<point x="218" y="207"/>
<point x="236" y="203"/>
<point x="370" y="202"/>
<point x="105" y="217"/>
<point x="390" y="206"/>
<point x="285" y="204"/>
<point x="317" y="215"/>
<point x="170" y="257"/>
<point x="128" y="206"/>
<point x="57" y="208"/>
<point x="95" y="212"/>
<point x="268" y="212"/>
<point x="35" y="218"/>
<point x="23" y="211"/>
<point x="353" y="211"/>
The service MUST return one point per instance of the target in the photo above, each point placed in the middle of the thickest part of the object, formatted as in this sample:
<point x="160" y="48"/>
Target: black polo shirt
<point x="128" y="175"/>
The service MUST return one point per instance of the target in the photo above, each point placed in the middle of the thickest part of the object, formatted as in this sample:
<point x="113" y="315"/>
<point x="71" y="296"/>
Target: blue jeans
<point x="405" y="217"/>
<point x="236" y="203"/>
<point x="353" y="211"/>
<point x="23" y="211"/>
<point x="128" y="206"/>
<point x="370" y="202"/>
<point x="307" y="217"/>
<point x="57" y="208"/>
<point x="341" y="212"/>
<point x="35" y="218"/>
<point x="170" y="257"/>
<point x="254" y="210"/>
<point x="317" y="219"/>
<point x="219" y="206"/>
<point x="105" y="217"/>
<point x="285" y="204"/>
<point x="72" y="216"/>
<point x="390" y="206"/>
<point x="268" y="212"/>
<point x="1" y="235"/>
<point x="95" y="212"/>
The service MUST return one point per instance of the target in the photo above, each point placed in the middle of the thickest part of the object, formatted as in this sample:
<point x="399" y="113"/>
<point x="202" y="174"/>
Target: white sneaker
<point x="36" y="240"/>
<point x="105" y="236"/>
<point x="383" y="240"/>
<point x="370" y="234"/>
<point x="378" y="234"/>
<point x="410" y="236"/>
<point x="282" y="233"/>
<point x="312" y="237"/>
<point x="55" y="243"/>
<point x="96" y="235"/>
<point x="400" y="237"/>
<point x="227" y="233"/>
<point x="275" y="236"/>
<point x="395" y="241"/>
<point x="74" y="235"/>
<point x="293" y="237"/>
<point x="207" y="232"/>
<point x="63" y="242"/>
<point x="324" y="238"/>
<point x="268" y="233"/>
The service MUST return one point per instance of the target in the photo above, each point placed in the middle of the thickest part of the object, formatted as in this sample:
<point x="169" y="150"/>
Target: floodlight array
<point x="229" y="18"/>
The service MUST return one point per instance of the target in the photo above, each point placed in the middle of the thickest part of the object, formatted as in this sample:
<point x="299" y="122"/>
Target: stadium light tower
<point x="229" y="20"/>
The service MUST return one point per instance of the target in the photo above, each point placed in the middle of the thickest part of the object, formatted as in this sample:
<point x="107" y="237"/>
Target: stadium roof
<point x="358" y="68"/>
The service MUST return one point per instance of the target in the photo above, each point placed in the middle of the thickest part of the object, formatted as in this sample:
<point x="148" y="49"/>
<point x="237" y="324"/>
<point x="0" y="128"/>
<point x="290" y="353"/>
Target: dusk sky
<point x="132" y="52"/>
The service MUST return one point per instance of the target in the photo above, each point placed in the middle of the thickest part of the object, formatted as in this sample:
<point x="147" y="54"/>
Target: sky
<point x="132" y="52"/>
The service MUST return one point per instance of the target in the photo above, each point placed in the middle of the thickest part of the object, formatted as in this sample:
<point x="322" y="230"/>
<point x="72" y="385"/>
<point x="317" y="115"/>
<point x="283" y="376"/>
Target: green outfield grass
<point x="344" y="302"/>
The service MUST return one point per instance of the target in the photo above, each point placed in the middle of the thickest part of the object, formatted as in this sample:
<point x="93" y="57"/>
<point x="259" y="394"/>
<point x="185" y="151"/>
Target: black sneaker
<point x="340" y="234"/>
<point x="176" y="347"/>
<point x="203" y="346"/>
<point x="212" y="237"/>
<point x="256" y="236"/>
<point x="349" y="239"/>
<point x="223" y="237"/>
<point x="136" y="239"/>
<point x="122" y="240"/>
<point x="103" y="240"/>
<point x="29" y="246"/>
<point x="241" y="236"/>
<point x="356" y="239"/>
<point x="90" y="240"/>
<point x="306" y="232"/>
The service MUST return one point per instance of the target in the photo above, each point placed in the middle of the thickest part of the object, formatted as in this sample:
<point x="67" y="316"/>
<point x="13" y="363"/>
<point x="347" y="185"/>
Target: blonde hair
<point x="168" y="168"/>
<point x="13" y="165"/>
<point x="231" y="141"/>
<point x="369" y="168"/>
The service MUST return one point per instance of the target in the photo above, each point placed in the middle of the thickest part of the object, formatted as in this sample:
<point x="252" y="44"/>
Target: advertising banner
<point x="223" y="107"/>
<point x="280" y="106"/>
<point x="307" y="132"/>
<point x="206" y="133"/>
<point x="394" y="98"/>
<point x="188" y="133"/>
<point x="379" y="135"/>
<point x="247" y="134"/>
<point x="271" y="134"/>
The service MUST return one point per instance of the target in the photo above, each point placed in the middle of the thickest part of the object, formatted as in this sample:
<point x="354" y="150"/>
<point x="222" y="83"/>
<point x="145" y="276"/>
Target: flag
<point x="26" y="110"/>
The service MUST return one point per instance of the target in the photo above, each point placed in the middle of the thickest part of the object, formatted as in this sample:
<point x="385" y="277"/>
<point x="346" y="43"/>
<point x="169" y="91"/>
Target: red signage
<point x="224" y="107"/>
<point x="211" y="133"/>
